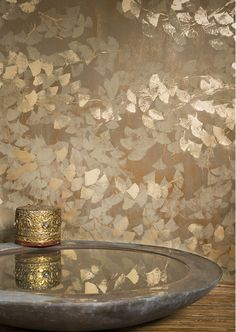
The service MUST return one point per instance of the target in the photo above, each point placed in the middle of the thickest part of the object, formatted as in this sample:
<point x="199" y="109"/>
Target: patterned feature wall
<point x="122" y="113"/>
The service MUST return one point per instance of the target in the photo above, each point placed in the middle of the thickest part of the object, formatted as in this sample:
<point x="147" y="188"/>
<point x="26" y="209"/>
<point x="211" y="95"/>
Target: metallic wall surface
<point x="122" y="114"/>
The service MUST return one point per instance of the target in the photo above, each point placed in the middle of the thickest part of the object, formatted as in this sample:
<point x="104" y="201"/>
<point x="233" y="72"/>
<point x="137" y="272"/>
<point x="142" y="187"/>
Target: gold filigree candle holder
<point x="38" y="226"/>
<point x="38" y="271"/>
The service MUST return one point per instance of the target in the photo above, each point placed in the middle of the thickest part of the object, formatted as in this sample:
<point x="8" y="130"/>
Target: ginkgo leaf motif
<point x="103" y="286"/>
<point x="24" y="156"/>
<point x="204" y="105"/>
<point x="61" y="122"/>
<point x="131" y="108"/>
<point x="225" y="31"/>
<point x="148" y="122"/>
<point x="47" y="67"/>
<point x="155" y="115"/>
<point x="153" y="18"/>
<point x="91" y="177"/>
<point x="10" y="72"/>
<point x="27" y="7"/>
<point x="35" y="67"/>
<point x="69" y="172"/>
<point x="201" y="17"/>
<point x="90" y="288"/>
<point x="53" y="90"/>
<point x="70" y="56"/>
<point x="223" y="18"/>
<point x="178" y="4"/>
<point x="133" y="190"/>
<point x="133" y="276"/>
<point x="131" y="96"/>
<point x="153" y="277"/>
<point x="183" y="96"/>
<point x="219" y="233"/>
<point x="22" y="63"/>
<point x="184" y="17"/>
<point x="210" y="85"/>
<point x="61" y="154"/>
<point x="156" y="190"/>
<point x="133" y="6"/>
<point x="220" y="136"/>
<point x="76" y="184"/>
<point x="83" y="99"/>
<point x="55" y="183"/>
<point x="121" y="224"/>
<point x="32" y="98"/>
<point x="64" y="79"/>
<point x="86" y="193"/>
<point x="193" y="148"/>
<point x="86" y="274"/>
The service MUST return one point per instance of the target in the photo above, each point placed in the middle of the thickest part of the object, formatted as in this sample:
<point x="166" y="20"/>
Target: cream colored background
<point x="121" y="112"/>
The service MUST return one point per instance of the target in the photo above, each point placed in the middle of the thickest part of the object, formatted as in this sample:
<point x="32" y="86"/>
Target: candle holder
<point x="38" y="271"/>
<point x="38" y="226"/>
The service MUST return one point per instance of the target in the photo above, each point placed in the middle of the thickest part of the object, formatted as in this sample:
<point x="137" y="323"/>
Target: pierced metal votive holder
<point x="38" y="226"/>
<point x="38" y="271"/>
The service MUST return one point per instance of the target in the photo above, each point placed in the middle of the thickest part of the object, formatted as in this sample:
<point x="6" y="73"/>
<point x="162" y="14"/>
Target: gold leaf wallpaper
<point x="122" y="114"/>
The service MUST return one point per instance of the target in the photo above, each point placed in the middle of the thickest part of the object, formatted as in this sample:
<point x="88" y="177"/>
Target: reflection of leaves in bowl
<point x="108" y="271"/>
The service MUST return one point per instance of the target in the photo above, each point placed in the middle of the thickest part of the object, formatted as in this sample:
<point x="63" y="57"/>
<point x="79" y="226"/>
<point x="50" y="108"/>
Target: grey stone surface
<point x="99" y="312"/>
